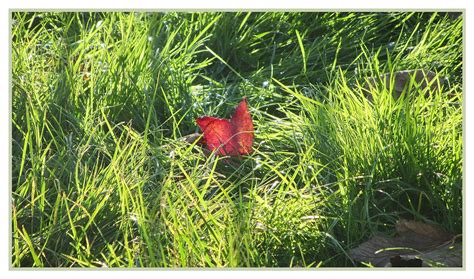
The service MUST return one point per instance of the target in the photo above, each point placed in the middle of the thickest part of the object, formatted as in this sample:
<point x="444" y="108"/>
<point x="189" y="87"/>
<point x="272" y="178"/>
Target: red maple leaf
<point x="232" y="137"/>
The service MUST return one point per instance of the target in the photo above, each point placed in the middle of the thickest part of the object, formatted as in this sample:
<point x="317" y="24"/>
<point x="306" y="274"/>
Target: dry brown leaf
<point x="435" y="232"/>
<point x="417" y="244"/>
<point x="191" y="138"/>
<point x="197" y="139"/>
<point x="449" y="254"/>
<point x="402" y="79"/>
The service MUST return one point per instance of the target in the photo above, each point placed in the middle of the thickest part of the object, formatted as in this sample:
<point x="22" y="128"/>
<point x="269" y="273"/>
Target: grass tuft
<point x="100" y="102"/>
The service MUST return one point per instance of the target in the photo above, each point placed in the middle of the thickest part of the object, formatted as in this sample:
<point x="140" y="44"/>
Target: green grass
<point x="100" y="176"/>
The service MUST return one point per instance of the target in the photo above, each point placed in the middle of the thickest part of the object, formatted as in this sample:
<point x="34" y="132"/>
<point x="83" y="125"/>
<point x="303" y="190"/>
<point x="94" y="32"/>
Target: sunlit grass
<point x="100" y="101"/>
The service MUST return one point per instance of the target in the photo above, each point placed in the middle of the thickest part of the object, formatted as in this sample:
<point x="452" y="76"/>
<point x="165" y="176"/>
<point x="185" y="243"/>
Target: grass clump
<point x="100" y="101"/>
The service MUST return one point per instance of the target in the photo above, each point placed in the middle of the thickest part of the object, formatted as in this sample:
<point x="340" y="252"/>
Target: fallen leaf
<point x="430" y="232"/>
<point x="191" y="138"/>
<point x="417" y="244"/>
<point x="232" y="136"/>
<point x="401" y="80"/>
<point x="406" y="261"/>
<point x="448" y="254"/>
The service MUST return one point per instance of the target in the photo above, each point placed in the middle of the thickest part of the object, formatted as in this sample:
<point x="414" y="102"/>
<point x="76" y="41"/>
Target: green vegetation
<point x="100" y="176"/>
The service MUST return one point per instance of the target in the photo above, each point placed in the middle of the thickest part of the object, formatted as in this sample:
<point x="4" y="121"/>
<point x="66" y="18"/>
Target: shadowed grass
<point x="100" y="176"/>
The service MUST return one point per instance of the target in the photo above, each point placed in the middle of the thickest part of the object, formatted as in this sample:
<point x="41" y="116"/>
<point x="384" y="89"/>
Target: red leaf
<point x="231" y="137"/>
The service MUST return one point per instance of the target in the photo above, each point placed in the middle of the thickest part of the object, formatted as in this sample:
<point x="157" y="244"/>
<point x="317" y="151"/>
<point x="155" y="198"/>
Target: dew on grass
<point x="310" y="217"/>
<point x="258" y="163"/>
<point x="260" y="226"/>
<point x="133" y="217"/>
<point x="274" y="184"/>
<point x="308" y="92"/>
<point x="172" y="154"/>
